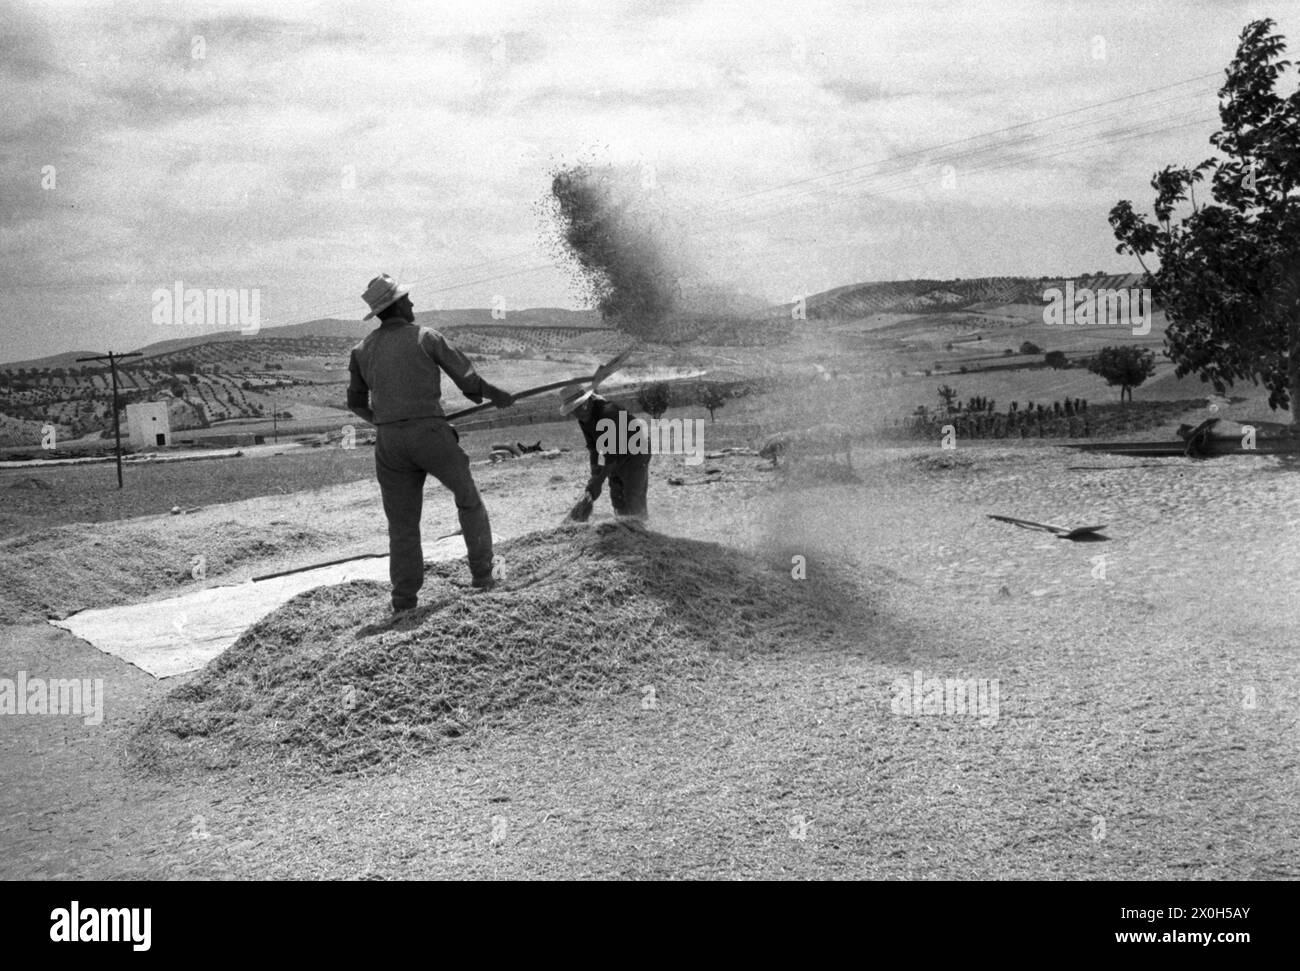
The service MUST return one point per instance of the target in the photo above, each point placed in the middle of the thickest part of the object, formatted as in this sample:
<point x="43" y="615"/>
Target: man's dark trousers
<point x="406" y="452"/>
<point x="628" y="484"/>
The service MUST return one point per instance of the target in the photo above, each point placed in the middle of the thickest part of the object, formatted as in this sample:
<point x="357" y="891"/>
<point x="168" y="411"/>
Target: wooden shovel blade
<point x="609" y="367"/>
<point x="1081" y="531"/>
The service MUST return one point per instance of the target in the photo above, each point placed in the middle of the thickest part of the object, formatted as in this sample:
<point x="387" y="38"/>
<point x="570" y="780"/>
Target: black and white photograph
<point x="684" y="440"/>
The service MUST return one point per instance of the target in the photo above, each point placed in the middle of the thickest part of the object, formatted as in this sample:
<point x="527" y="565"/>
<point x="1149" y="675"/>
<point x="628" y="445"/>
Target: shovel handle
<point x="602" y="372"/>
<point x="554" y="386"/>
<point x="1030" y="524"/>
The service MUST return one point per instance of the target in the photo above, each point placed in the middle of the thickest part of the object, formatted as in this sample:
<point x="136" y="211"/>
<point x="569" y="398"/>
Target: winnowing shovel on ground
<point x="1064" y="532"/>
<point x="600" y="374"/>
<point x="345" y="559"/>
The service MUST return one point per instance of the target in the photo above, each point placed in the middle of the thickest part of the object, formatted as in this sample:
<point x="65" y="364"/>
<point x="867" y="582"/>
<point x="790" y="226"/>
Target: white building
<point x="148" y="425"/>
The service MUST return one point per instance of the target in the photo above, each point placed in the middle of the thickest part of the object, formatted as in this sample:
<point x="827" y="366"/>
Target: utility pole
<point x="112" y="360"/>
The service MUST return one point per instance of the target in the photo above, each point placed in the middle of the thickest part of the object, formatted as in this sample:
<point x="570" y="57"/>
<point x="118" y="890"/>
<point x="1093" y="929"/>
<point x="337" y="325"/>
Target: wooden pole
<point x="112" y="360"/>
<point x="117" y="424"/>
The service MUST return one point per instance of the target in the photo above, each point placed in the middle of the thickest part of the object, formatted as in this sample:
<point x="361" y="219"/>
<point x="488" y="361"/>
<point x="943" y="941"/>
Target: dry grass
<point x="89" y="493"/>
<point x="323" y="685"/>
<point x="56" y="572"/>
<point x="1160" y="700"/>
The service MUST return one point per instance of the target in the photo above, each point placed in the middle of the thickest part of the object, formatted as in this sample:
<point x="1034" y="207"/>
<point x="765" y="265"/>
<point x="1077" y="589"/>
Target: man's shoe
<point x="403" y="608"/>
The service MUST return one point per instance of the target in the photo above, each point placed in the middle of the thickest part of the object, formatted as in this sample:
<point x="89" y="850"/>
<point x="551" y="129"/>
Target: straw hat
<point x="382" y="291"/>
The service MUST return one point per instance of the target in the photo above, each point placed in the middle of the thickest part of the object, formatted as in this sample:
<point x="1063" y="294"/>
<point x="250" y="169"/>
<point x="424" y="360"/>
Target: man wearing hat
<point x="616" y="453"/>
<point x="397" y="386"/>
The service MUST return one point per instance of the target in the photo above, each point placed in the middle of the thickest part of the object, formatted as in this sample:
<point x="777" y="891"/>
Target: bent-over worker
<point x="616" y="453"/>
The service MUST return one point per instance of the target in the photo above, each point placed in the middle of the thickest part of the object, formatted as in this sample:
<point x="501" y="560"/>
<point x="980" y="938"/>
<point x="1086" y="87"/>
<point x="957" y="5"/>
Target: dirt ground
<point x="1148" y="691"/>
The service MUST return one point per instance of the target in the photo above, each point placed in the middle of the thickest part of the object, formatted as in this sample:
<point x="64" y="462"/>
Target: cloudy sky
<point x="793" y="148"/>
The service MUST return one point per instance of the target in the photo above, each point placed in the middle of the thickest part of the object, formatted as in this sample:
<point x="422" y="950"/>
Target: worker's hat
<point x="382" y="291"/>
<point x="573" y="396"/>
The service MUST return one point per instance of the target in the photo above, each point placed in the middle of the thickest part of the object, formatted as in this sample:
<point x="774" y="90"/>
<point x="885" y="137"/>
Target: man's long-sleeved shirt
<point x="397" y="373"/>
<point x="618" y="454"/>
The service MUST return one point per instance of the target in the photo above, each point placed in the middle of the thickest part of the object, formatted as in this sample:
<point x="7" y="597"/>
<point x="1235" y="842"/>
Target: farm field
<point x="1122" y="698"/>
<point x="885" y="465"/>
<point x="894" y="330"/>
<point x="857" y="394"/>
<point x="779" y="696"/>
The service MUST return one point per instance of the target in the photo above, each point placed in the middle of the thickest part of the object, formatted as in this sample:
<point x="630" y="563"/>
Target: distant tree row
<point x="978" y="404"/>
<point x="655" y="399"/>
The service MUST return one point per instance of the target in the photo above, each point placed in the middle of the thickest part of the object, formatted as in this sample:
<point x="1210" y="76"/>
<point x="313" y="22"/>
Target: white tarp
<point x="171" y="637"/>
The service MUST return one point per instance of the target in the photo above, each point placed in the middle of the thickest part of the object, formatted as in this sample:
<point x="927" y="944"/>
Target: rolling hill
<point x="537" y="317"/>
<point x="860" y="300"/>
<point x="990" y="331"/>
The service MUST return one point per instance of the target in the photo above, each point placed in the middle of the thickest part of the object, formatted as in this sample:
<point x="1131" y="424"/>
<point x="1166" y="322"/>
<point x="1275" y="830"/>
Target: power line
<point x="996" y="147"/>
<point x="903" y="184"/>
<point x="999" y="131"/>
<point x="1121" y="134"/>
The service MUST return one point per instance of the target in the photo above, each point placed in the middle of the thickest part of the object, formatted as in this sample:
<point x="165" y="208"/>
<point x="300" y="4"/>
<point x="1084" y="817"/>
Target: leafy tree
<point x="654" y="399"/>
<point x="1029" y="347"/>
<point x="1126" y="366"/>
<point x="713" y="396"/>
<point x="947" y="395"/>
<point x="1056" y="360"/>
<point x="1229" y="273"/>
